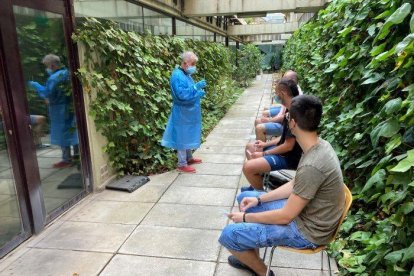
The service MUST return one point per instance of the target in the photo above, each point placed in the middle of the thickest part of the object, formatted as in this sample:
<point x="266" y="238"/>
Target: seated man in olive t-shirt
<point x="303" y="213"/>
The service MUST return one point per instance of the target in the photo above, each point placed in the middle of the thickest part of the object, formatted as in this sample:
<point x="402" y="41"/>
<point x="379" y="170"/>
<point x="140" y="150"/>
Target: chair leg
<point x="264" y="254"/>
<point x="270" y="260"/>
<point x="329" y="263"/>
<point x="322" y="260"/>
<point x="266" y="182"/>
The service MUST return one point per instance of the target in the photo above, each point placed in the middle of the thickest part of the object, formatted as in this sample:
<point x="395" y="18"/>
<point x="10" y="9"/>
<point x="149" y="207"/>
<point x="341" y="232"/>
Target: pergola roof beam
<point x="195" y="8"/>
<point x="261" y="29"/>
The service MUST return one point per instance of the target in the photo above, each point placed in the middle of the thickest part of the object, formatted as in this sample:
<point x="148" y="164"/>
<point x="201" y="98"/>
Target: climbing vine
<point x="357" y="55"/>
<point x="130" y="74"/>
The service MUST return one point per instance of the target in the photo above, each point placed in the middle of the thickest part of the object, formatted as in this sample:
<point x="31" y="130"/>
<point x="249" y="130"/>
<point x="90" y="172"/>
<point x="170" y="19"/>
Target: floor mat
<point x="72" y="181"/>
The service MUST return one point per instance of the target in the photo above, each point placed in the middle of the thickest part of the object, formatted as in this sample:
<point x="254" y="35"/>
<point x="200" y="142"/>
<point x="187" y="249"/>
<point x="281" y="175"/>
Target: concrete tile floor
<point x="170" y="226"/>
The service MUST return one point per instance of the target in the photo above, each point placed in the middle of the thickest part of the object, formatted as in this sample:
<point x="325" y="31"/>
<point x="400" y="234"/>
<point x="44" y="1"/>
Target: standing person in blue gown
<point x="57" y="94"/>
<point x="183" y="131"/>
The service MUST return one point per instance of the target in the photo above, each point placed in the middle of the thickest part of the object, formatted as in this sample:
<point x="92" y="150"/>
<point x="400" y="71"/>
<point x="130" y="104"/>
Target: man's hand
<point x="236" y="217"/>
<point x="257" y="154"/>
<point x="33" y="84"/>
<point x="259" y="144"/>
<point x="247" y="203"/>
<point x="200" y="85"/>
<point x="265" y="119"/>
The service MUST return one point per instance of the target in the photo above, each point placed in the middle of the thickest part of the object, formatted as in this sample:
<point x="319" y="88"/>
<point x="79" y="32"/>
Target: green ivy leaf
<point x="331" y="68"/>
<point x="404" y="44"/>
<point x="387" y="129"/>
<point x="374" y="78"/>
<point x="395" y="256"/>
<point x="360" y="236"/>
<point x="377" y="179"/>
<point x="393" y="106"/>
<point x="407" y="207"/>
<point x="412" y="23"/>
<point x="406" y="163"/>
<point x="378" y="49"/>
<point x="371" y="29"/>
<point x="392" y="144"/>
<point x="396" y="18"/>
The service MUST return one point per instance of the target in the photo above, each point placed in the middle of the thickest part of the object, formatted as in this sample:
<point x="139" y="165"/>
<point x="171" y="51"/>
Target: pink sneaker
<point x="62" y="164"/>
<point x="186" y="169"/>
<point x="194" y="161"/>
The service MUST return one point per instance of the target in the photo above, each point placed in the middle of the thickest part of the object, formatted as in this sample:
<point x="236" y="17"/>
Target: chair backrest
<point x="347" y="205"/>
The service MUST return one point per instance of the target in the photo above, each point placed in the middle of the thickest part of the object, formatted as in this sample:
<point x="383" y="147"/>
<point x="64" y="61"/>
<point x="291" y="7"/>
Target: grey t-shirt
<point x="319" y="179"/>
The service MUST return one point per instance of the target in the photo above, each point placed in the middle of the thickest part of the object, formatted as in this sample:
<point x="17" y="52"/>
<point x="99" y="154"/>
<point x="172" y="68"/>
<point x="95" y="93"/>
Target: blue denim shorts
<point x="276" y="162"/>
<point x="246" y="236"/>
<point x="274" y="110"/>
<point x="273" y="129"/>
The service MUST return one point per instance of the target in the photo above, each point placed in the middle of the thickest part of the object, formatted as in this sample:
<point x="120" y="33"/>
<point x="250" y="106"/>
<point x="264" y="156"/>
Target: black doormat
<point x="128" y="183"/>
<point x="72" y="181"/>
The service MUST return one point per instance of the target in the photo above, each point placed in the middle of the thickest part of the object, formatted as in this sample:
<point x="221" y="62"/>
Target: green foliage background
<point x="357" y="56"/>
<point x="249" y="64"/>
<point x="130" y="73"/>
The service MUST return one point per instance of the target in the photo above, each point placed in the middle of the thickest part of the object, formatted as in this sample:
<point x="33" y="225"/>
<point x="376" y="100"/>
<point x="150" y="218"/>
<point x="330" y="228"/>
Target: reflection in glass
<point x="184" y="30"/>
<point x="10" y="219"/>
<point x="209" y="36"/>
<point x="157" y="23"/>
<point x="44" y="58"/>
<point x="199" y="34"/>
<point x="128" y="15"/>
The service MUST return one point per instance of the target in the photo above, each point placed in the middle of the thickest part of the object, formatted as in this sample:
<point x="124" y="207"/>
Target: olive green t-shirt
<point x="319" y="179"/>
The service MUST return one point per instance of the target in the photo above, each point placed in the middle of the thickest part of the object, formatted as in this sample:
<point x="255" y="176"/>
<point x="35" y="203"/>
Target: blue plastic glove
<point x="201" y="93"/>
<point x="32" y="84"/>
<point x="200" y="85"/>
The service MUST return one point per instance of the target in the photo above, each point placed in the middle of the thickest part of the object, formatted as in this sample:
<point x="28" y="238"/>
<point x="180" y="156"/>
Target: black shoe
<point x="234" y="262"/>
<point x="246" y="188"/>
<point x="239" y="265"/>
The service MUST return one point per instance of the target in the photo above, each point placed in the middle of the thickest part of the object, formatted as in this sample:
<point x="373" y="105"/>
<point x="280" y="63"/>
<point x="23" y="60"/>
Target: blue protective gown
<point x="183" y="129"/>
<point x="62" y="118"/>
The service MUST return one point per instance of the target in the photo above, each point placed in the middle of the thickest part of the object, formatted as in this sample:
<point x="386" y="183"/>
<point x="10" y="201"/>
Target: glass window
<point x="157" y="23"/>
<point x="184" y="29"/>
<point x="128" y="15"/>
<point x="209" y="36"/>
<point x="11" y="224"/>
<point x="44" y="59"/>
<point x="199" y="34"/>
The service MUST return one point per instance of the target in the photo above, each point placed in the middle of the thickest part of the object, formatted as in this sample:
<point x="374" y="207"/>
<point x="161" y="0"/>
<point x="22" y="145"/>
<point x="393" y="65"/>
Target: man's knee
<point x="41" y="120"/>
<point x="260" y="128"/>
<point x="228" y="237"/>
<point x="250" y="147"/>
<point x="248" y="168"/>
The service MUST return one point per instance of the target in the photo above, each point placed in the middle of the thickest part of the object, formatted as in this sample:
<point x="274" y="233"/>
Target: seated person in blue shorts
<point x="272" y="117"/>
<point x="304" y="212"/>
<point x="286" y="151"/>
<point x="273" y="110"/>
<point x="38" y="123"/>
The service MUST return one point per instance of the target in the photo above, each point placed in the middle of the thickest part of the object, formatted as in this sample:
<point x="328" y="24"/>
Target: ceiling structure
<point x="238" y="20"/>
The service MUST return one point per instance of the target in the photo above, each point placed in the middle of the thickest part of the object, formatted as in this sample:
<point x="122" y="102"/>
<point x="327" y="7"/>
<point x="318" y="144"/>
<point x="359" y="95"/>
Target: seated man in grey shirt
<point x="304" y="212"/>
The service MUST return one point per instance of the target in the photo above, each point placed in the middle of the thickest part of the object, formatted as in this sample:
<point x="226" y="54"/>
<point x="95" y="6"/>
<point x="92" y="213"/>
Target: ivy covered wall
<point x="127" y="77"/>
<point x="357" y="56"/>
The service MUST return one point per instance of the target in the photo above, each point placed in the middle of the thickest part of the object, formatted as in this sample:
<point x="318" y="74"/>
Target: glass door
<point x="49" y="94"/>
<point x="11" y="225"/>
<point x="44" y="156"/>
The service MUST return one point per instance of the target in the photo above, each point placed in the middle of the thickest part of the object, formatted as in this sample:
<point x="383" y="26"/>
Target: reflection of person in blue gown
<point x="57" y="92"/>
<point x="183" y="131"/>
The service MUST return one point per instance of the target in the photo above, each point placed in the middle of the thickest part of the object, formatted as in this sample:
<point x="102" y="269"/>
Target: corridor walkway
<point x="170" y="226"/>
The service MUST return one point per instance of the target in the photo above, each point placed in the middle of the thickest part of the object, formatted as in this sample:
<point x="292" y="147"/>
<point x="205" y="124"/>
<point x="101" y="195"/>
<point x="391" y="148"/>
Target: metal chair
<point x="282" y="176"/>
<point x="348" y="201"/>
